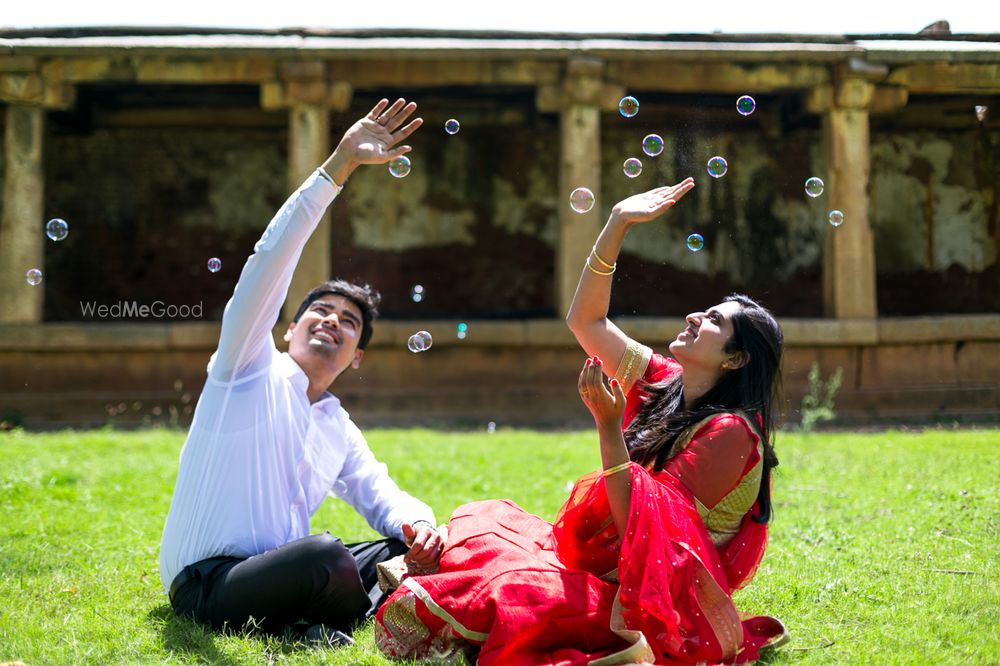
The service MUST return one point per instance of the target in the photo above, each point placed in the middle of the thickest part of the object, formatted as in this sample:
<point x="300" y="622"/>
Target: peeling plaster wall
<point x="476" y="221"/>
<point x="762" y="234"/>
<point x="935" y="219"/>
<point x="928" y="211"/>
<point x="148" y="207"/>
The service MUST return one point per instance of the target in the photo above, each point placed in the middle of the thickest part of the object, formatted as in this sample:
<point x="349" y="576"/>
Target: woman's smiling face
<point x="704" y="339"/>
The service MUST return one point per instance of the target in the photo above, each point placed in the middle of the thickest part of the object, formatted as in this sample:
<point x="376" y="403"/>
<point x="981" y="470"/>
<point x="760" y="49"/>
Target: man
<point x="268" y="442"/>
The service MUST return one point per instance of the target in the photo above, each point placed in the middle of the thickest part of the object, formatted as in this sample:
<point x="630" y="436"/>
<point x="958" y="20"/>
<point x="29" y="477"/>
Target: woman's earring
<point x="725" y="365"/>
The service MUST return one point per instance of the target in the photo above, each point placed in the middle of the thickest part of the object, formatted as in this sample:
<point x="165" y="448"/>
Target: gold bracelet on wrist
<point x="601" y="261"/>
<point x="617" y="468"/>
<point x="594" y="270"/>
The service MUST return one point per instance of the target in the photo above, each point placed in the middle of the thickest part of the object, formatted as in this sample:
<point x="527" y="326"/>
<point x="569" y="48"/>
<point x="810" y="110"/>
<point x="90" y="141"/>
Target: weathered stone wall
<point x="936" y="221"/>
<point x="127" y="378"/>
<point x="476" y="220"/>
<point x="148" y="206"/>
<point x="762" y="234"/>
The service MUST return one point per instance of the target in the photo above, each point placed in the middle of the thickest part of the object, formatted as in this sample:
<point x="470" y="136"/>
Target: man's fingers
<point x="408" y="534"/>
<point x="396" y="152"/>
<point x="378" y="109"/>
<point x="421" y="556"/>
<point x="386" y="116"/>
<point x="398" y="116"/>
<point x="402" y="134"/>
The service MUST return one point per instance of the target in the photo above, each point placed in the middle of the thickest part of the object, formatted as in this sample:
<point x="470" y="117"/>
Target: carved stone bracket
<point x="857" y="94"/>
<point x="583" y="84"/>
<point x="34" y="89"/>
<point x="305" y="82"/>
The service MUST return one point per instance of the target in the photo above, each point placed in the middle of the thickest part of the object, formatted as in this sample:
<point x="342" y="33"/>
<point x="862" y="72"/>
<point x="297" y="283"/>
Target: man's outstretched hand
<point x="426" y="544"/>
<point x="373" y="139"/>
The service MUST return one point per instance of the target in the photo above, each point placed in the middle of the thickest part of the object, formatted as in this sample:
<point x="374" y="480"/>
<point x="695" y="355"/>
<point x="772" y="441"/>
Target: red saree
<point x="513" y="589"/>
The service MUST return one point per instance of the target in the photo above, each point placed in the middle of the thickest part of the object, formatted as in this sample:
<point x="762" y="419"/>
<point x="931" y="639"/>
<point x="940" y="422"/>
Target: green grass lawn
<point x="884" y="547"/>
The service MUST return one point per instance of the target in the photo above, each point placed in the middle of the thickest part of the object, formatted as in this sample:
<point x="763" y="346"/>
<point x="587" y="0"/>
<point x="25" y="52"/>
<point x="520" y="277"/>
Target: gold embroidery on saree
<point x="403" y="632"/>
<point x="422" y="594"/>
<point x="633" y="365"/>
<point x="724" y="519"/>
<point x="405" y="636"/>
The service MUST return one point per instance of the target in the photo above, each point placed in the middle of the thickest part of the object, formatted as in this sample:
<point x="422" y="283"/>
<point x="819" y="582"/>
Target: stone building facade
<point x="164" y="148"/>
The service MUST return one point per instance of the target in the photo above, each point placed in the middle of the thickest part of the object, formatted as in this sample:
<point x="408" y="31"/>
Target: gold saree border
<point x="425" y="596"/>
<point x="718" y="608"/>
<point x="638" y="651"/>
<point x="633" y="365"/>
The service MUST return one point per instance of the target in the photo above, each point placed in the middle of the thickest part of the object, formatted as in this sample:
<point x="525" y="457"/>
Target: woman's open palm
<point x="650" y="205"/>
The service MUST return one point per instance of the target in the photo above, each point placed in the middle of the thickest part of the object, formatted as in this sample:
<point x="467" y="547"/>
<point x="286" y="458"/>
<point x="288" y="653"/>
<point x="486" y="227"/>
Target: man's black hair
<point x="364" y="296"/>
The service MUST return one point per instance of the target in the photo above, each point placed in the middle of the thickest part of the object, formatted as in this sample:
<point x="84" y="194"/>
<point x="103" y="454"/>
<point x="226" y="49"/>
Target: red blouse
<point x="720" y="453"/>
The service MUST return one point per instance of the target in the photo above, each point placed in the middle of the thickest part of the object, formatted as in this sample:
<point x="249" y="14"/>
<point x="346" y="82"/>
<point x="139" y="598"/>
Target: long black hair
<point x="753" y="389"/>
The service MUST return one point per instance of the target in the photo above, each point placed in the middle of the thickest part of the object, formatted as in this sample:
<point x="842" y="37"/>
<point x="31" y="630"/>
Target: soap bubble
<point x="695" y="242"/>
<point x="417" y="293"/>
<point x="451" y="126"/>
<point x="419" y="341"/>
<point x="33" y="276"/>
<point x="836" y="218"/>
<point x="461" y="330"/>
<point x="581" y="200"/>
<point x="57" y="229"/>
<point x="652" y="144"/>
<point x="717" y="167"/>
<point x="400" y="167"/>
<point x="814" y="186"/>
<point x="746" y="105"/>
<point x="632" y="167"/>
<point x="628" y="106"/>
<point x="215" y="264"/>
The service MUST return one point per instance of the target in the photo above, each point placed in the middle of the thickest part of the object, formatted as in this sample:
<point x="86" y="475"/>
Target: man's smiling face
<point x="326" y="336"/>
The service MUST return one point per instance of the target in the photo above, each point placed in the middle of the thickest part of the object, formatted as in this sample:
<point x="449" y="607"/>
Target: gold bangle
<point x="601" y="261"/>
<point x="616" y="469"/>
<point x="605" y="274"/>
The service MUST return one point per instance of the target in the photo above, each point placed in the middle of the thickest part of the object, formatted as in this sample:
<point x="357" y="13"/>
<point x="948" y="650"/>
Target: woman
<point x="641" y="562"/>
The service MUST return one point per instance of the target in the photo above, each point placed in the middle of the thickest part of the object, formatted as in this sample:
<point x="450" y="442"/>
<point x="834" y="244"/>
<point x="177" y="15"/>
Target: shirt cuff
<point x="321" y="172"/>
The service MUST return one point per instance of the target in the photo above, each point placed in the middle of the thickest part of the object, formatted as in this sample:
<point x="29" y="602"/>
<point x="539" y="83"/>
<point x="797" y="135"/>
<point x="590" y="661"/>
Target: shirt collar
<point x="294" y="373"/>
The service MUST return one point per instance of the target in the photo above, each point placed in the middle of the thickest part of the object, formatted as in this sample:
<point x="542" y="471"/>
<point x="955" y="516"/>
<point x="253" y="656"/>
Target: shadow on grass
<point x="185" y="636"/>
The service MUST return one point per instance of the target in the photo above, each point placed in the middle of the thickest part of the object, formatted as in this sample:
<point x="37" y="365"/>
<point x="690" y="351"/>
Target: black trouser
<point x="317" y="579"/>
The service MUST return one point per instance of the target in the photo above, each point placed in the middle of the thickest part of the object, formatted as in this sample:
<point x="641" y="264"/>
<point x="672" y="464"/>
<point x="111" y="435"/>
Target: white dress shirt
<point x="259" y="458"/>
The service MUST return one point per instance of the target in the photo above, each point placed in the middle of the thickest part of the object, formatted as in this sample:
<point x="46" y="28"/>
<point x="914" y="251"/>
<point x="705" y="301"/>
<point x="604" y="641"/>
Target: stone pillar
<point x="309" y="97"/>
<point x="579" y="166"/>
<point x="579" y="100"/>
<point x="22" y="234"/>
<point x="848" y="250"/>
<point x="308" y="147"/>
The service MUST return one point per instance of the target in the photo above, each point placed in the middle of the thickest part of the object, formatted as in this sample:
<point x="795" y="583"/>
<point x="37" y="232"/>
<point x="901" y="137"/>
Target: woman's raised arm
<point x="588" y="314"/>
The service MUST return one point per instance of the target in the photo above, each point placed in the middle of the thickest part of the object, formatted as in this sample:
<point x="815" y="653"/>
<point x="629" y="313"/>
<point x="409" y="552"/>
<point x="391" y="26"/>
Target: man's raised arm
<point x="263" y="284"/>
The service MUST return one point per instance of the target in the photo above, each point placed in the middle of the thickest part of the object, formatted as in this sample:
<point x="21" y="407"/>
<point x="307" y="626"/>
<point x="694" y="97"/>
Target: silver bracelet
<point x="328" y="178"/>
